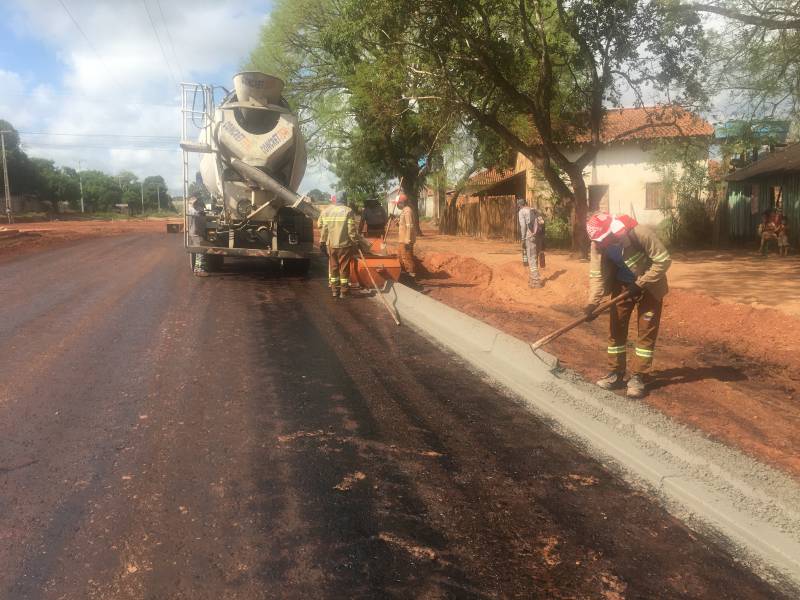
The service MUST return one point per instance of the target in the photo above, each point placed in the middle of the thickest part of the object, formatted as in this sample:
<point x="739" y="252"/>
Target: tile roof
<point x="486" y="177"/>
<point x="648" y="123"/>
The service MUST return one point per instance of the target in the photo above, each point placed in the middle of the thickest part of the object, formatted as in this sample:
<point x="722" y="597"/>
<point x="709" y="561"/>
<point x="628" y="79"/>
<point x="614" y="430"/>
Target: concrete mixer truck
<point x="253" y="160"/>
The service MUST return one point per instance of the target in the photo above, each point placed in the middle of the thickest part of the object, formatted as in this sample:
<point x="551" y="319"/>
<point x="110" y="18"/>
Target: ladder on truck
<point x="197" y="117"/>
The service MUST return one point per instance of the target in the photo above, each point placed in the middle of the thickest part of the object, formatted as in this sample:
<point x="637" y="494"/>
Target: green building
<point x="773" y="182"/>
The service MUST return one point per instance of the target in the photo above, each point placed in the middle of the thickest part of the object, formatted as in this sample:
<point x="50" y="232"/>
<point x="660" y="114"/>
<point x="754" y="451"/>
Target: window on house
<point x="655" y="196"/>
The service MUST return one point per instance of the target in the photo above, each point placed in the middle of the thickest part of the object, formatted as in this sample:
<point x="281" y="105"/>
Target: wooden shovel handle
<point x="599" y="310"/>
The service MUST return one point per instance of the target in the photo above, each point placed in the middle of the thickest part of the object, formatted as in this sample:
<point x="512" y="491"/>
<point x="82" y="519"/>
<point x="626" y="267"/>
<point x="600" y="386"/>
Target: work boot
<point x="344" y="291"/>
<point x="611" y="381"/>
<point x="636" y="387"/>
<point x="334" y="292"/>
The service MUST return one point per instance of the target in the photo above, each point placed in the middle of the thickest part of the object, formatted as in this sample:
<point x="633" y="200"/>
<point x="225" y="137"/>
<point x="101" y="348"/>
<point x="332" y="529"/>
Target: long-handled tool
<point x="375" y="285"/>
<point x="559" y="332"/>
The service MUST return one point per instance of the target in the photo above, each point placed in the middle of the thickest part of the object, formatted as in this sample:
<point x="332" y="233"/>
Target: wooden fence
<point x="488" y="217"/>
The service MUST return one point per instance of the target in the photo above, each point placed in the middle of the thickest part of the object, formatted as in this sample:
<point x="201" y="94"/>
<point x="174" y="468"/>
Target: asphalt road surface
<point x="246" y="436"/>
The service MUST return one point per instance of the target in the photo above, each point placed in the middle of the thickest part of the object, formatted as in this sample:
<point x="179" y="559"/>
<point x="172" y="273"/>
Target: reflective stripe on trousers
<point x="338" y="266"/>
<point x="649" y="310"/>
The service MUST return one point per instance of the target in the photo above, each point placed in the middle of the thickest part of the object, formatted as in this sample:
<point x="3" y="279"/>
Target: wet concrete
<point x="245" y="436"/>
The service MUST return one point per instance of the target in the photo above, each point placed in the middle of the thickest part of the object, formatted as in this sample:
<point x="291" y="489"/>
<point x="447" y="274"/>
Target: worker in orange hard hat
<point x="627" y="257"/>
<point x="406" y="235"/>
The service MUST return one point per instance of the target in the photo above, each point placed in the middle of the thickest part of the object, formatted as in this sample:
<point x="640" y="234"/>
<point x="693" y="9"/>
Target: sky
<point x="94" y="83"/>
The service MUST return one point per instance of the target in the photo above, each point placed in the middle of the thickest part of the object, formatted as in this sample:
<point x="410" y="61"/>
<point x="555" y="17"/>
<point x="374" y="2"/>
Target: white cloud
<point x="120" y="82"/>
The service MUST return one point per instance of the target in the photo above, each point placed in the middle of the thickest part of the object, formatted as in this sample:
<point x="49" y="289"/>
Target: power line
<point x="104" y="147"/>
<point x="165" y="138"/>
<point x="85" y="99"/>
<point x="88" y="41"/>
<point x="160" y="45"/>
<point x="169" y="37"/>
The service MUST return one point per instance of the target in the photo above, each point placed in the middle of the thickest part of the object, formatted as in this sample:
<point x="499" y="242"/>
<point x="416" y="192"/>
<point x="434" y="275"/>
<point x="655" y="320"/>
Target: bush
<point x="558" y="233"/>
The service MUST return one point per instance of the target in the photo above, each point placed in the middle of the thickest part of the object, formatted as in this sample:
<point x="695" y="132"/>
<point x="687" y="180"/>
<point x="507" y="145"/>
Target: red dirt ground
<point x="729" y="369"/>
<point x="47" y="234"/>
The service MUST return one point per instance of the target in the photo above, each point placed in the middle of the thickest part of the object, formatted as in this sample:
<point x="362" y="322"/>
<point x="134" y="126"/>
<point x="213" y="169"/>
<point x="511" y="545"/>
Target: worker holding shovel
<point x="627" y="258"/>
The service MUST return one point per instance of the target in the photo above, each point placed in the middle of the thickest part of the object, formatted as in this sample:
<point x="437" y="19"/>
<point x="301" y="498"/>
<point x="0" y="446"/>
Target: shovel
<point x="559" y="332"/>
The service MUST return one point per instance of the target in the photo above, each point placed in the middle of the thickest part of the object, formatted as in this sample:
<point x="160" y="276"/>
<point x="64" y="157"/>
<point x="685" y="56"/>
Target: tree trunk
<point x="411" y="186"/>
<point x="580" y="207"/>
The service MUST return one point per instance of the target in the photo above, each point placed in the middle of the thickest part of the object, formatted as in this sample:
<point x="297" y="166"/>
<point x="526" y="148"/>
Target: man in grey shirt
<point x="531" y="228"/>
<point x="196" y="217"/>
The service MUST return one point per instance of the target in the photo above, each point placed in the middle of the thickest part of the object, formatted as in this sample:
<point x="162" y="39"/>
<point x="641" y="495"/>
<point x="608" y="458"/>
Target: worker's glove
<point x="634" y="291"/>
<point x="323" y="248"/>
<point x="588" y="310"/>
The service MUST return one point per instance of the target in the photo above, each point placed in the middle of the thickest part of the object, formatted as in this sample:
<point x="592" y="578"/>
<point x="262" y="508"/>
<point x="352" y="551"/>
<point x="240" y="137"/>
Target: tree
<point x="100" y="190"/>
<point x="21" y="172"/>
<point x="758" y="55"/>
<point x="537" y="72"/>
<point x="351" y="81"/>
<point x="200" y="191"/>
<point x="54" y="184"/>
<point x="318" y="196"/>
<point x="155" y="192"/>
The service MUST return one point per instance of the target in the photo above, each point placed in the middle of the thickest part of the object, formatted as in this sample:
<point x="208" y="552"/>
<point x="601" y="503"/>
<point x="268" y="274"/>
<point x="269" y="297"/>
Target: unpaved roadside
<point x="729" y="369"/>
<point x="34" y="237"/>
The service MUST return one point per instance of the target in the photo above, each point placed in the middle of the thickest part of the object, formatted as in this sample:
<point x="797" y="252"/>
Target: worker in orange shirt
<point x="406" y="236"/>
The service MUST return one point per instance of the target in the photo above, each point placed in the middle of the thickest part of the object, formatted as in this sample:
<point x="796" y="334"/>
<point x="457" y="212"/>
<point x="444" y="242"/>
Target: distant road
<point x="244" y="436"/>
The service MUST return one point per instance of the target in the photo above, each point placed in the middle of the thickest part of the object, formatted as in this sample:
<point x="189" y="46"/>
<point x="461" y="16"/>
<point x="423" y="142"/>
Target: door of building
<point x="598" y="198"/>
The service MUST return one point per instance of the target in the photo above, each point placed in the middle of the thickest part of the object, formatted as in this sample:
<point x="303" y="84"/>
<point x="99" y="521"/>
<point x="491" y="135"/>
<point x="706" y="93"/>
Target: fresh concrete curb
<point x="708" y="485"/>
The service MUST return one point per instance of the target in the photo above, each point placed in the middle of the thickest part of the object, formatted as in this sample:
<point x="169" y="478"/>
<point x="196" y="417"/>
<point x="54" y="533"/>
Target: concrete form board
<point x="710" y="486"/>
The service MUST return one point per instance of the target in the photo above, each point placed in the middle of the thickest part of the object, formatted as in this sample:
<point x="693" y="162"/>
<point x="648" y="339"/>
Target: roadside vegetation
<point x="57" y="189"/>
<point x="388" y="89"/>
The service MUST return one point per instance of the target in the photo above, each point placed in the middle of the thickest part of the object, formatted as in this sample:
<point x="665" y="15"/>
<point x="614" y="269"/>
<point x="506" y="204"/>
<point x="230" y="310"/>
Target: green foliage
<point x="558" y="232"/>
<point x="200" y="191"/>
<point x="689" y="191"/>
<point x="348" y="68"/>
<point x="757" y="56"/>
<point x="319" y="196"/>
<point x="50" y="183"/>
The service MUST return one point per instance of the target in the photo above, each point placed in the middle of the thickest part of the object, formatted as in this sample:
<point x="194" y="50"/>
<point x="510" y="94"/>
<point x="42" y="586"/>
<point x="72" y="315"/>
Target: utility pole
<point x="80" y="183"/>
<point x="5" y="177"/>
<point x="158" y="195"/>
<point x="141" y="185"/>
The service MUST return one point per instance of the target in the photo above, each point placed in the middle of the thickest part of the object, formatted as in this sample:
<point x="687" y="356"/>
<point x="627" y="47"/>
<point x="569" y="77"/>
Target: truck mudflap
<point x="251" y="252"/>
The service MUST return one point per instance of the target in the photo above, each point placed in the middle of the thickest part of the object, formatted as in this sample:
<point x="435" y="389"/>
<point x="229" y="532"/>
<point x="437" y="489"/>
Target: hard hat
<point x="599" y="226"/>
<point x="401" y="197"/>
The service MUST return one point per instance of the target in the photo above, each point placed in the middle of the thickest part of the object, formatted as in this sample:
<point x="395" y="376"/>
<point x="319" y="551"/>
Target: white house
<point x="619" y="178"/>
